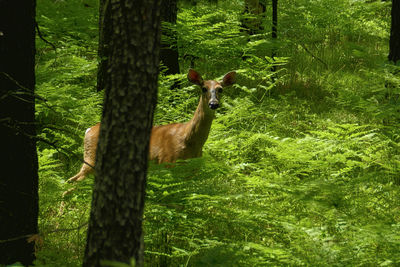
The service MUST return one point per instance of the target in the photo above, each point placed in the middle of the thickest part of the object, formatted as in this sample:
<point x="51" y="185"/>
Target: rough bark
<point x="18" y="158"/>
<point x="394" y="43"/>
<point x="131" y="33"/>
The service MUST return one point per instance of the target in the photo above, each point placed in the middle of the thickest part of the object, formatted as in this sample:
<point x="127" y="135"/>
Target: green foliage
<point x="211" y="36"/>
<point x="65" y="78"/>
<point x="301" y="166"/>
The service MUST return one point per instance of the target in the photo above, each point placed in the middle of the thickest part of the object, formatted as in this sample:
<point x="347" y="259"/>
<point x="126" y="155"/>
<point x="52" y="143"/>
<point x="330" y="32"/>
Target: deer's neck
<point x="199" y="126"/>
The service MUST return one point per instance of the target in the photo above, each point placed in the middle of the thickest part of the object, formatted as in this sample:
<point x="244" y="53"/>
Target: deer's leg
<point x="90" y="147"/>
<point x="85" y="170"/>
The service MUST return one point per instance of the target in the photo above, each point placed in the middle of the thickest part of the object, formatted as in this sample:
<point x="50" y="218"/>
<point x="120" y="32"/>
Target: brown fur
<point x="170" y="142"/>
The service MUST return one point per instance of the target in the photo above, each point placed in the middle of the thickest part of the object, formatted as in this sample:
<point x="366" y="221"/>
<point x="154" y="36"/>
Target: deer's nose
<point x="213" y="105"/>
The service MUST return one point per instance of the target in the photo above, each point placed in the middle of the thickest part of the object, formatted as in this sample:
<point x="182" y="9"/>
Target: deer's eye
<point x="220" y="90"/>
<point x="204" y="89"/>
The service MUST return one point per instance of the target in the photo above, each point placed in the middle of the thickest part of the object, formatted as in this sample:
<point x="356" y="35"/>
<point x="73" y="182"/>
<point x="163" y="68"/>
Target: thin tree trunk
<point x="394" y="43"/>
<point x="102" y="49"/>
<point x="131" y="33"/>
<point x="18" y="158"/>
<point x="274" y="34"/>
<point x="169" y="55"/>
<point x="274" y="19"/>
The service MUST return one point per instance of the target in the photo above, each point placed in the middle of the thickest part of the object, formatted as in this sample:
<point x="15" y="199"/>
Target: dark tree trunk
<point x="274" y="19"/>
<point x="18" y="158"/>
<point x="102" y="50"/>
<point x="131" y="33"/>
<point x="274" y="34"/>
<point x="394" y="44"/>
<point x="169" y="55"/>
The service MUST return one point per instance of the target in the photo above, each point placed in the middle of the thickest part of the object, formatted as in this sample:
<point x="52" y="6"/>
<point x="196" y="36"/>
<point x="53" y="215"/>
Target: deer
<point x="171" y="142"/>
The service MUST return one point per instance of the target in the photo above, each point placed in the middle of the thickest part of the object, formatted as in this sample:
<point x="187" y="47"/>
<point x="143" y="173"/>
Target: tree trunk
<point x="18" y="158"/>
<point x="394" y="43"/>
<point x="102" y="49"/>
<point x="274" y="19"/>
<point x="131" y="33"/>
<point x="274" y="34"/>
<point x="169" y="55"/>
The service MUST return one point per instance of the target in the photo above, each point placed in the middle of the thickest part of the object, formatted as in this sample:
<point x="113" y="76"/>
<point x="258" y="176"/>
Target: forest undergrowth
<point x="301" y="166"/>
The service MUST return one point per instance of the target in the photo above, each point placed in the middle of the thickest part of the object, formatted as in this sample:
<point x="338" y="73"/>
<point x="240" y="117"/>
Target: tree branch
<point x="32" y="237"/>
<point x="41" y="37"/>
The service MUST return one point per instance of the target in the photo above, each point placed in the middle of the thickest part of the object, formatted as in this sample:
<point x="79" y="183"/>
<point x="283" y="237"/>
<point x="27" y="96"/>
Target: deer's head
<point x="211" y="89"/>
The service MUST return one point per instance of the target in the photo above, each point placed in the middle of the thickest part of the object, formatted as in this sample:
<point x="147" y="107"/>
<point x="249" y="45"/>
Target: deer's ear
<point x="195" y="77"/>
<point x="229" y="79"/>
